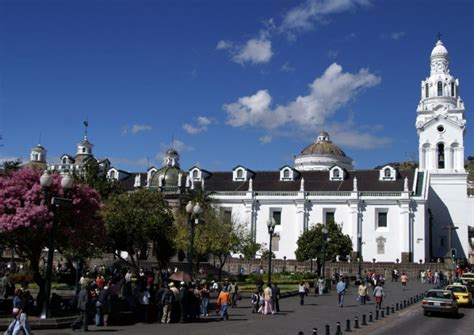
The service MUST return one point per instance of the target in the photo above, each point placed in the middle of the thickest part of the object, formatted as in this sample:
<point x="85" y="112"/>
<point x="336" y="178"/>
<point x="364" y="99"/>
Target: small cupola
<point x="84" y="147"/>
<point x="38" y="154"/>
<point x="240" y="173"/>
<point x="337" y="173"/>
<point x="387" y="173"/>
<point x="198" y="174"/>
<point x="287" y="173"/>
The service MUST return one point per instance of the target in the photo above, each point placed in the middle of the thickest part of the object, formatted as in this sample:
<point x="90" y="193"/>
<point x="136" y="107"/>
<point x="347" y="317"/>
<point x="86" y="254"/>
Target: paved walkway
<point x="317" y="312"/>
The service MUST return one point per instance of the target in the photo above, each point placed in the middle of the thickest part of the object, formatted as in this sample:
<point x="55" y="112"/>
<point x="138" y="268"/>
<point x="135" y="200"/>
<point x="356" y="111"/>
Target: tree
<point x="9" y="166"/>
<point x="311" y="244"/>
<point x="26" y="217"/>
<point x="249" y="248"/>
<point x="136" y="219"/>
<point x="93" y="176"/>
<point x="217" y="234"/>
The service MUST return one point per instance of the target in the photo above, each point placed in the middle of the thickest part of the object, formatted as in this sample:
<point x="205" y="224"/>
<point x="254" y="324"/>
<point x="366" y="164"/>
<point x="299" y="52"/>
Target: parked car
<point x="461" y="293"/>
<point x="440" y="301"/>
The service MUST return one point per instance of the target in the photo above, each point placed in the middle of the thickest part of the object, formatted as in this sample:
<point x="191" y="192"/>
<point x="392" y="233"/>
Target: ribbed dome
<point x="323" y="146"/>
<point x="170" y="176"/>
<point x="439" y="50"/>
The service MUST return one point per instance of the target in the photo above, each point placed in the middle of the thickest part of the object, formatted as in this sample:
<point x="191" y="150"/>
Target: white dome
<point x="439" y="50"/>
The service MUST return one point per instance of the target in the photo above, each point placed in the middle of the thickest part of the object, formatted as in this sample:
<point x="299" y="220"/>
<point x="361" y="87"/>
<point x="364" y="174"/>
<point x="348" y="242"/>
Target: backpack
<point x="168" y="298"/>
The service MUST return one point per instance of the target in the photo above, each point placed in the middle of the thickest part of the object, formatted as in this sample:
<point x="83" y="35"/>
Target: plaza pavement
<point x="315" y="313"/>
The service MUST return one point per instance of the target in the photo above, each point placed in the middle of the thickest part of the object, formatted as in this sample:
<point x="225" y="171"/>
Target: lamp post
<point x="359" y="252"/>
<point x="325" y="236"/>
<point x="193" y="209"/>
<point x="271" y="223"/>
<point x="66" y="183"/>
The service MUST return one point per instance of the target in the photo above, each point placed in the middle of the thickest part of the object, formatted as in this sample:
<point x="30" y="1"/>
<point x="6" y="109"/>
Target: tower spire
<point x="86" y="124"/>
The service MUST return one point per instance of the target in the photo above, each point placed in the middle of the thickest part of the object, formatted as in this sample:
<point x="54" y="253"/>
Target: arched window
<point x="427" y="90"/>
<point x="335" y="173"/>
<point x="441" y="156"/>
<point x="64" y="160"/>
<point x="387" y="173"/>
<point x="452" y="89"/>
<point x="195" y="174"/>
<point x="440" y="89"/>
<point x="112" y="174"/>
<point x="240" y="173"/>
<point x="286" y="173"/>
<point x="83" y="150"/>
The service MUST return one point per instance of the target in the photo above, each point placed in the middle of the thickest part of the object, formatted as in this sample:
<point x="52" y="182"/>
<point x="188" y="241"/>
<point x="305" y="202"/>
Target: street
<point x="317" y="312"/>
<point x="412" y="321"/>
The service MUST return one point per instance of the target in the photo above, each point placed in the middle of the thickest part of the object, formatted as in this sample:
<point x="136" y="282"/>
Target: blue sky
<point x="231" y="82"/>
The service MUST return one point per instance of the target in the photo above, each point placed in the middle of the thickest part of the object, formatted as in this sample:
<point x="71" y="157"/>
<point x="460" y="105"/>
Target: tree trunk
<point x="37" y="278"/>
<point x="222" y="260"/>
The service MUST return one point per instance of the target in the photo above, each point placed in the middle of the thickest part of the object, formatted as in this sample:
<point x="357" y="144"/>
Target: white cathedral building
<point x="389" y="213"/>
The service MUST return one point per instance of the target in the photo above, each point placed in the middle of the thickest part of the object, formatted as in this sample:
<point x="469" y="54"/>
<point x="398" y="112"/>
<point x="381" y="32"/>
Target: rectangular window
<point x="329" y="217"/>
<point x="276" y="214"/>
<point x="226" y="213"/>
<point x="382" y="220"/>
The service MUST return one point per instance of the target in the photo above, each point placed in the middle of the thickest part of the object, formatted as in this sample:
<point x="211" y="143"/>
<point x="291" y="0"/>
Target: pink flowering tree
<point x="26" y="216"/>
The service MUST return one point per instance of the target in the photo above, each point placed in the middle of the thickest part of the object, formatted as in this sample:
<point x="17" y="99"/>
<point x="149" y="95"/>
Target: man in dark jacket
<point x="83" y="301"/>
<point x="183" y="298"/>
<point x="276" y="298"/>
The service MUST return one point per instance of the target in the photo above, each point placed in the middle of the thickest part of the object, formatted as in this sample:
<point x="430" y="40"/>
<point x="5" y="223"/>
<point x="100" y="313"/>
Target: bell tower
<point x="440" y="118"/>
<point x="441" y="126"/>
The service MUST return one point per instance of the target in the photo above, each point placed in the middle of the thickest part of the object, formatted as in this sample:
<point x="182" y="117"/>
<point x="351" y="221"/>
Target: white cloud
<point x="287" y="67"/>
<point x="305" y="16"/>
<point x="265" y="139"/>
<point x="397" y="35"/>
<point x="255" y="51"/>
<point x="258" y="50"/>
<point x="202" y="123"/>
<point x="328" y="93"/>
<point x="135" y="129"/>
<point x="224" y="45"/>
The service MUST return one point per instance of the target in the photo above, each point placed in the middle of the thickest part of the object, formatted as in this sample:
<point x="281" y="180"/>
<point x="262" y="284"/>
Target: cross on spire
<point x="86" y="124"/>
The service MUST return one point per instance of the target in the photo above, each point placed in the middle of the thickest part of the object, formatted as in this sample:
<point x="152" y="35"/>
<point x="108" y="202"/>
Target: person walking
<point x="267" y="296"/>
<point x="362" y="292"/>
<point x="83" y="301"/>
<point x="276" y="298"/>
<point x="404" y="280"/>
<point x="224" y="301"/>
<point x="167" y="301"/>
<point x="102" y="306"/>
<point x="301" y="292"/>
<point x="341" y="291"/>
<point x="205" y="294"/>
<point x="378" y="294"/>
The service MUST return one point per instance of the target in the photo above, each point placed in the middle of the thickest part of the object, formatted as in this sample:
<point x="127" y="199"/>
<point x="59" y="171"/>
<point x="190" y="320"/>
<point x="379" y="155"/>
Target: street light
<point x="359" y="252"/>
<point x="325" y="235"/>
<point x="46" y="181"/>
<point x="271" y="223"/>
<point x="193" y="209"/>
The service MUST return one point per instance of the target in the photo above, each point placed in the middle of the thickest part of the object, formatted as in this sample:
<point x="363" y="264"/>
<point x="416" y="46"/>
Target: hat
<point x="171" y="284"/>
<point x="182" y="283"/>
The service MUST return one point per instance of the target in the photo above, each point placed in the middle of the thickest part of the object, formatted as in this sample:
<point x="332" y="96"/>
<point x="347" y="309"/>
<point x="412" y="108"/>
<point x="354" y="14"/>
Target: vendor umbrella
<point x="181" y="276"/>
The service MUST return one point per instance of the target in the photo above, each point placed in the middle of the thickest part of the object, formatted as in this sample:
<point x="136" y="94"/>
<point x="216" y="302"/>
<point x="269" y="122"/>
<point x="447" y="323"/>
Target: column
<point x="405" y="234"/>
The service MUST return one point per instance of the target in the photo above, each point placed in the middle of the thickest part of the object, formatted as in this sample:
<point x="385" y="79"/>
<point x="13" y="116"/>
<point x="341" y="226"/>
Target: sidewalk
<point x="316" y="313"/>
